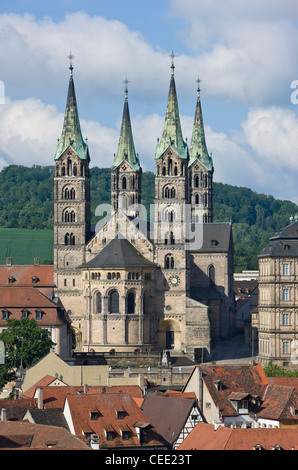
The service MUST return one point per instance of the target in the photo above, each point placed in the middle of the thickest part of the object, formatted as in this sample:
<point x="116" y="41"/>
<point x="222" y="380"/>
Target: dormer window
<point x="11" y="279"/>
<point x="38" y="314"/>
<point x="94" y="415"/>
<point x="5" y="314"/>
<point x="214" y="242"/>
<point x="34" y="280"/>
<point x="25" y="314"/>
<point x="120" y="414"/>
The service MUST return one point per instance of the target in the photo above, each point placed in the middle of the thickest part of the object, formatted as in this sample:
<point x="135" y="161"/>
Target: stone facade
<point x="133" y="285"/>
<point x="277" y="320"/>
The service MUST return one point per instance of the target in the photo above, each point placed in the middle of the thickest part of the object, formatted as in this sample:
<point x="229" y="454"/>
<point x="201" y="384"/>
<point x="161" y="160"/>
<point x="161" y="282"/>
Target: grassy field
<point x="24" y="245"/>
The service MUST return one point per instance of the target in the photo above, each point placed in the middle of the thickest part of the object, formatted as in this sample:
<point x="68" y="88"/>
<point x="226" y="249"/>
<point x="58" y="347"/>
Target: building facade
<point x="277" y="317"/>
<point x="133" y="283"/>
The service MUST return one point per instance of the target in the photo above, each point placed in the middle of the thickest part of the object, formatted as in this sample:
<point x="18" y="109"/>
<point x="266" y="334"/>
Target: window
<point x="131" y="303"/>
<point x="4" y="315"/>
<point x="120" y="414"/>
<point x="211" y="275"/>
<point x="114" y="302"/>
<point x="25" y="314"/>
<point x="286" y="294"/>
<point x="109" y="435"/>
<point x="94" y="415"/>
<point x="285" y="269"/>
<point x="286" y="347"/>
<point x="38" y="314"/>
<point x="285" y="319"/>
<point x="169" y="262"/>
<point x="125" y="435"/>
<point x="98" y="302"/>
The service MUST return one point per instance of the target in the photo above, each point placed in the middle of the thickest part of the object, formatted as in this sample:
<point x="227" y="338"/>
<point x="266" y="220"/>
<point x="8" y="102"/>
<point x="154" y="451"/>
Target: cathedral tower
<point x="126" y="172"/>
<point x="200" y="169"/>
<point x="71" y="198"/>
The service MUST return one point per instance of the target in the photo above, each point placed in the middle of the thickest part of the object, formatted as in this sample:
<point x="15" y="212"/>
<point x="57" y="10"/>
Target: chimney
<point x="36" y="261"/>
<point x="9" y="261"/>
<point x="40" y="398"/>
<point x="85" y="388"/>
<point x="3" y="414"/>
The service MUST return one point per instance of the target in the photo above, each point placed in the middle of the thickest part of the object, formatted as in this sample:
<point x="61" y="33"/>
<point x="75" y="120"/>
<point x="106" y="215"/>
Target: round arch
<point x="169" y="335"/>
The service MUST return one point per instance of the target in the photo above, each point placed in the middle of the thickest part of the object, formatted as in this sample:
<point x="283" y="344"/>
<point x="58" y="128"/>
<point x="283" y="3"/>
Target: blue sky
<point x="244" y="53"/>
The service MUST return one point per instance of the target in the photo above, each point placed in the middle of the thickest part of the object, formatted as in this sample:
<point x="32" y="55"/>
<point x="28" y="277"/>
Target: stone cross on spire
<point x="126" y="90"/>
<point x="70" y="57"/>
<point x="172" y="57"/>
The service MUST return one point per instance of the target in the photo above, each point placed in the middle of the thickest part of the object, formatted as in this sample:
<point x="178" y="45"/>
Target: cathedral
<point x="137" y="282"/>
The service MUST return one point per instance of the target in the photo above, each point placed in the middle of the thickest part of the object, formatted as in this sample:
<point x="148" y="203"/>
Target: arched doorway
<point x="169" y="335"/>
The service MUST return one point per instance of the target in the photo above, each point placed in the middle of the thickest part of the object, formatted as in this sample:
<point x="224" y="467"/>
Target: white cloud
<point x="246" y="50"/>
<point x="272" y="133"/>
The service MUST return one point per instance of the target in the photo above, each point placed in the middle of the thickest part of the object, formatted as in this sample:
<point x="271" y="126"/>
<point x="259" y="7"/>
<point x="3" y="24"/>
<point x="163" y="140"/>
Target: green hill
<point x="26" y="202"/>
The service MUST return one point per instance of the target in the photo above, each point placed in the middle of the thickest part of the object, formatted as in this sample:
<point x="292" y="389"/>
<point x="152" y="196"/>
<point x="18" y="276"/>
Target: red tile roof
<point x="223" y="379"/>
<point x="23" y="275"/>
<point x="205" y="437"/>
<point x="21" y="435"/>
<point x="107" y="405"/>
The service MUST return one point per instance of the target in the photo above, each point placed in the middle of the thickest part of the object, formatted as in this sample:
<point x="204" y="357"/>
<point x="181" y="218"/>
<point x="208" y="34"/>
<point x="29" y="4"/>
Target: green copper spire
<point x="172" y="133"/>
<point x="126" y="149"/>
<point x="198" y="148"/>
<point x="71" y="132"/>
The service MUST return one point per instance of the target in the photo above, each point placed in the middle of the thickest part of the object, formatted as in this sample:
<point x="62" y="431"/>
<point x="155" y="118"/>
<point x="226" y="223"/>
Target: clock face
<point x="174" y="280"/>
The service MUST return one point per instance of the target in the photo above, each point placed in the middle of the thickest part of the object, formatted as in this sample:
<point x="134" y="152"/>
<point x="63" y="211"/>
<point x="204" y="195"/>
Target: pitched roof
<point x="168" y="414"/>
<point x="106" y="406"/>
<point x="281" y="403"/>
<point x="22" y="435"/>
<point x="28" y="275"/>
<point x="205" y="437"/>
<point x="215" y="237"/>
<point x="249" y="379"/>
<point x="119" y="253"/>
<point x="16" y="409"/>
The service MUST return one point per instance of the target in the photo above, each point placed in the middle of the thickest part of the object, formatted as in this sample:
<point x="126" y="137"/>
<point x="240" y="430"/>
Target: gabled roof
<point x="281" y="403"/>
<point x="247" y="379"/>
<point x="36" y="275"/>
<point x="168" y="414"/>
<point x="23" y="435"/>
<point x="205" y="437"/>
<point x="119" y="253"/>
<point x="107" y="405"/>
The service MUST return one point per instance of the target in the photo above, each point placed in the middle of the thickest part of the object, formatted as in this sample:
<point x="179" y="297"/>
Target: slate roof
<point x="217" y="237"/>
<point x="119" y="253"/>
<point x="205" y="437"/>
<point x="283" y="243"/>
<point x="168" y="414"/>
<point x="49" y="417"/>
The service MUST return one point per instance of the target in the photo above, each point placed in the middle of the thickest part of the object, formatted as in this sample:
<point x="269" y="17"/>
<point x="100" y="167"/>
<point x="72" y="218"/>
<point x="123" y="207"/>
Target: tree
<point x="25" y="343"/>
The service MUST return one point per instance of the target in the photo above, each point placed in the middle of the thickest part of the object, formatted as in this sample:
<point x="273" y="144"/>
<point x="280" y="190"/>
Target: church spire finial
<point x="126" y="90"/>
<point x="172" y="55"/>
<point x="70" y="57"/>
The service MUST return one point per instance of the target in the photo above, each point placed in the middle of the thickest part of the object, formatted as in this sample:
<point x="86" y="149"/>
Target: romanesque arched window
<point x="98" y="302"/>
<point x="130" y="302"/>
<point x="124" y="183"/>
<point x="169" y="262"/>
<point x="114" y="302"/>
<point x="211" y="274"/>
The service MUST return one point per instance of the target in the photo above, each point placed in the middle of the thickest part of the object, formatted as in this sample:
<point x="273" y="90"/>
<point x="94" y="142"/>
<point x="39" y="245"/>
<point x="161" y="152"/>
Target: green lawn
<point x="24" y="245"/>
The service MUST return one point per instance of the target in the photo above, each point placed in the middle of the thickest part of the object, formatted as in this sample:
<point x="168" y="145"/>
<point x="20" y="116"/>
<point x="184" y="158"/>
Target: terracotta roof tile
<point x="205" y="437"/>
<point x="80" y="406"/>
<point x="23" y="435"/>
